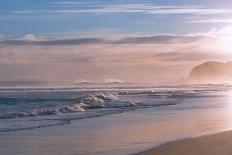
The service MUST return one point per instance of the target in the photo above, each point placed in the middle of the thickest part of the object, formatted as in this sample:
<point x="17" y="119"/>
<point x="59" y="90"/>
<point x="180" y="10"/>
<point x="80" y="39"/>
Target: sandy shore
<point x="215" y="144"/>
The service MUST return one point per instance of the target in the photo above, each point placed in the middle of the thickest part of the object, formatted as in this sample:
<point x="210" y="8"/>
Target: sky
<point x="102" y="40"/>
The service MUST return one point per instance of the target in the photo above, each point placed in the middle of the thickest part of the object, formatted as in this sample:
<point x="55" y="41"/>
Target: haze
<point x="100" y="40"/>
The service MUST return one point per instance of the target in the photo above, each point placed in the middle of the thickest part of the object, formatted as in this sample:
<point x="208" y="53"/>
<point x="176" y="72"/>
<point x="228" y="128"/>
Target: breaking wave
<point x="90" y="101"/>
<point x="29" y="110"/>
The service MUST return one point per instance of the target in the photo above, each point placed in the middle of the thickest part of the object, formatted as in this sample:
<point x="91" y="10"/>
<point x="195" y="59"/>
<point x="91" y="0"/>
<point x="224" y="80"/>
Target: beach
<point x="214" y="144"/>
<point x="122" y="77"/>
<point x="119" y="132"/>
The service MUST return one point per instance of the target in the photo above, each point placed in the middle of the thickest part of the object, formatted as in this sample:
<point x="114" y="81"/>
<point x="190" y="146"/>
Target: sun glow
<point x="226" y="42"/>
<point x="225" y="38"/>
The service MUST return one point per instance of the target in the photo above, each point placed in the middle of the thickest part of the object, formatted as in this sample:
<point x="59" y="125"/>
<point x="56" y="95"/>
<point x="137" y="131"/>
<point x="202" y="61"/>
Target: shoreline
<point x="124" y="133"/>
<point x="212" y="144"/>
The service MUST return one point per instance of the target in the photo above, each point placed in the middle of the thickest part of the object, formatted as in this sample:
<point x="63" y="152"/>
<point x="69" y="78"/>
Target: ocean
<point x="107" y="118"/>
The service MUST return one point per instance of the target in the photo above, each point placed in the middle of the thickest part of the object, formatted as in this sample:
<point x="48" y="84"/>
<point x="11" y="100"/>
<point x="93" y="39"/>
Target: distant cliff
<point x="211" y="72"/>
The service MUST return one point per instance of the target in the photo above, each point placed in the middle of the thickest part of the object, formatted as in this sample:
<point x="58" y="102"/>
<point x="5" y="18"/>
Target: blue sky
<point x="133" y="40"/>
<point x="58" y="17"/>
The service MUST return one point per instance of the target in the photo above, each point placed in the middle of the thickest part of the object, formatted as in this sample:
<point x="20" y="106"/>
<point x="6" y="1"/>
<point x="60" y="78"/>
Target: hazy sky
<point x="133" y="40"/>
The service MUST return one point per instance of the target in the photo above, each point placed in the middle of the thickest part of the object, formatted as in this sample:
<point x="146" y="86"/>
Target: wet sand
<point x="129" y="132"/>
<point x="215" y="144"/>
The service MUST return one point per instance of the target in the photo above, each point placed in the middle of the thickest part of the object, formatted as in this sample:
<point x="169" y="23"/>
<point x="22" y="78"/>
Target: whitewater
<point x="107" y="118"/>
<point x="35" y="107"/>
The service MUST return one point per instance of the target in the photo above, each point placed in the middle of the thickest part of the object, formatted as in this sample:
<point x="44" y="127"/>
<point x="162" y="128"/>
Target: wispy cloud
<point x="31" y="39"/>
<point x="126" y="57"/>
<point x="131" y="8"/>
<point x="99" y="51"/>
<point x="211" y="20"/>
<point x="157" y="9"/>
<point x="79" y="41"/>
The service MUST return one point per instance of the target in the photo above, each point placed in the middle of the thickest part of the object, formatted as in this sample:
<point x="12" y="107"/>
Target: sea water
<point x="107" y="118"/>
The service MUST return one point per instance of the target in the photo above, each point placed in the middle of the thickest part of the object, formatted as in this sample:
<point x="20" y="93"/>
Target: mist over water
<point x="124" y="117"/>
<point x="28" y="105"/>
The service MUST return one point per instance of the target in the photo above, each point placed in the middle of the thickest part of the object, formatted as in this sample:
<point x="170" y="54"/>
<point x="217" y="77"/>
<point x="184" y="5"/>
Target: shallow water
<point x="29" y="108"/>
<point x="124" y="121"/>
